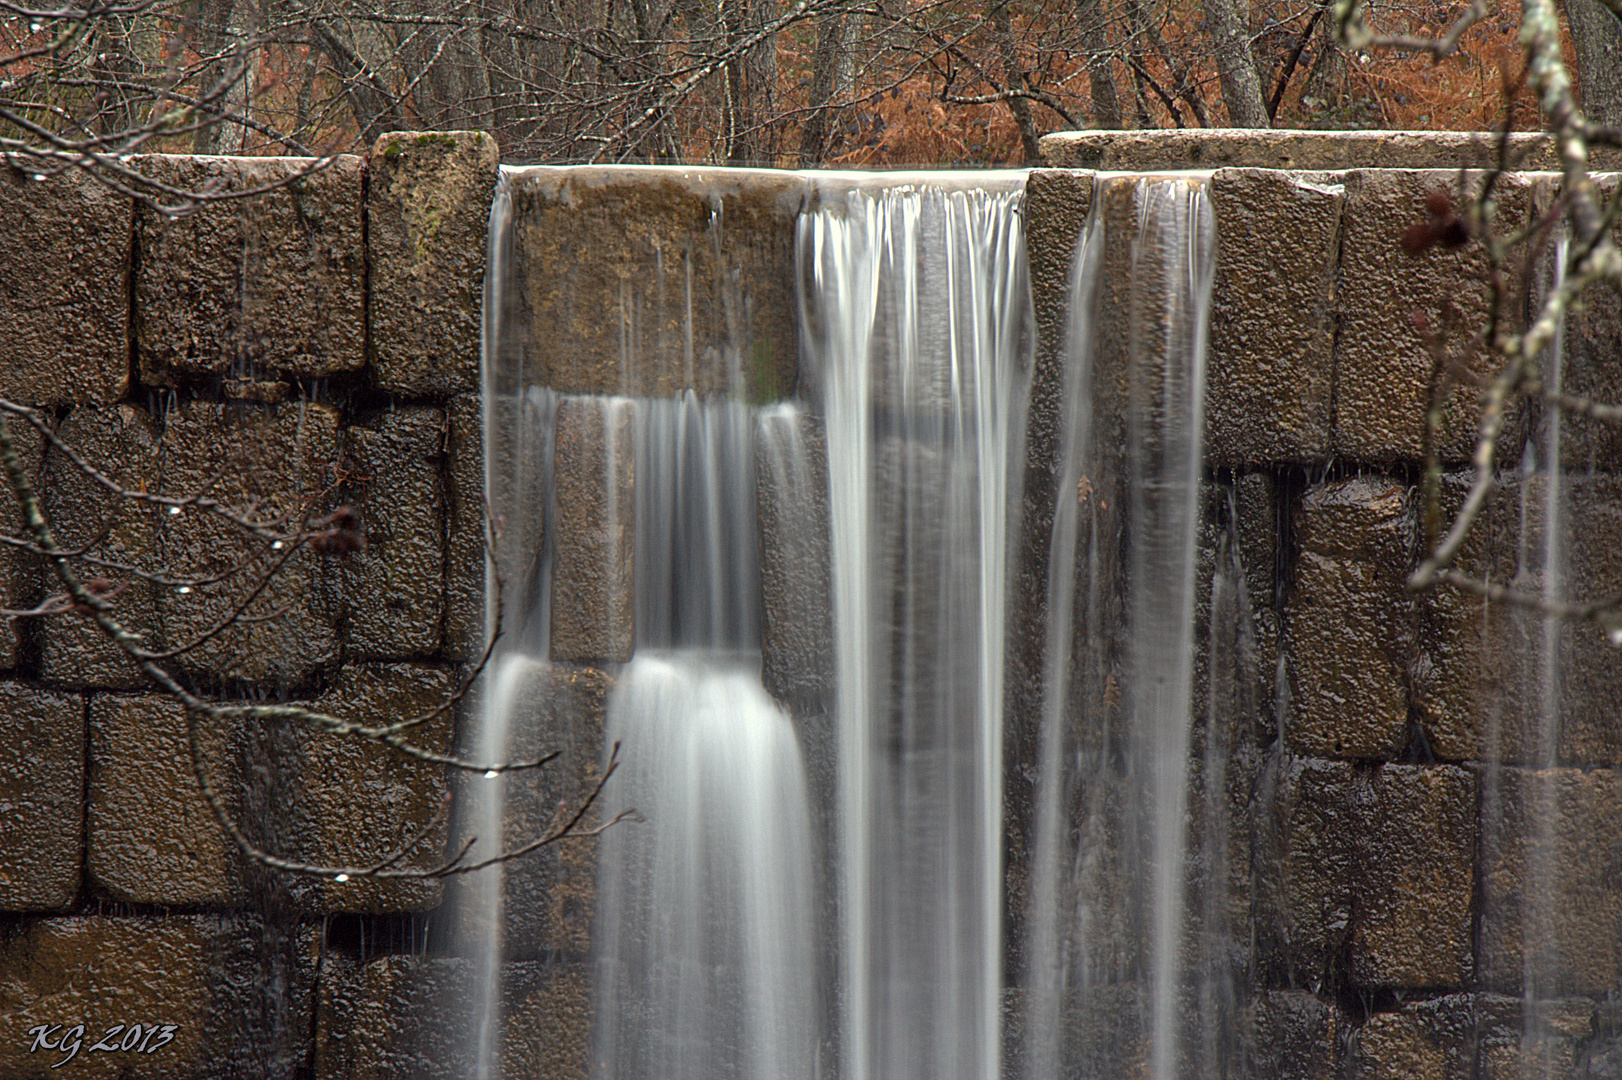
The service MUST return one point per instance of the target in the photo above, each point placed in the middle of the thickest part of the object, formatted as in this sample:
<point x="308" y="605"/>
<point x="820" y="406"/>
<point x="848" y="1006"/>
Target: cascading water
<point x="1113" y="789"/>
<point x="713" y="951"/>
<point x="706" y="963"/>
<point x="917" y="320"/>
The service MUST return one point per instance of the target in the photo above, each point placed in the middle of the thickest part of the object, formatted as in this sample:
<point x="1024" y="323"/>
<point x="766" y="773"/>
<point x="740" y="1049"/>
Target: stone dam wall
<point x="323" y="342"/>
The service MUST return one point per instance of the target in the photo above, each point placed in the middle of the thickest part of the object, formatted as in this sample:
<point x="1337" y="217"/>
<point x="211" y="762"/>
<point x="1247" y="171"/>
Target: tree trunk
<point x="1236" y="68"/>
<point x="1597" y="37"/>
<point x="829" y="78"/>
<point x="1100" y="72"/>
<point x="1014" y="76"/>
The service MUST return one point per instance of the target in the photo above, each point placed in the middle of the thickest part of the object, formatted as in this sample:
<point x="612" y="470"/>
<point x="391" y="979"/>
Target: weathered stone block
<point x="64" y="289"/>
<point x="1347" y="616"/>
<point x="465" y="511"/>
<point x="1592" y="340"/>
<point x="1411" y="923"/>
<point x="1483" y="678"/>
<point x="791" y="489"/>
<point x="593" y="602"/>
<point x="41" y="798"/>
<point x="1057" y="204"/>
<point x="1296" y="1036"/>
<point x="1307" y="864"/>
<point x="355" y="801"/>
<point x="1535" y="1040"/>
<point x="1281" y="148"/>
<point x="1375" y="868"/>
<point x="1429" y="1040"/>
<point x="649" y="282"/>
<point x="1551" y="843"/>
<point x="428" y="213"/>
<point x="548" y="896"/>
<point x="1382" y="365"/>
<point x="152" y="837"/>
<point x="1270" y="358"/>
<point x="208" y="977"/>
<point x="122" y="443"/>
<point x="264" y="465"/>
<point x="258" y="289"/>
<point x="393" y="591"/>
<point x="402" y="1017"/>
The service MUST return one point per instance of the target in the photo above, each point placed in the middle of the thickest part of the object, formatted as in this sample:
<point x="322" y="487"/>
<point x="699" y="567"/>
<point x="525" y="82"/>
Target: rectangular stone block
<point x="1486" y="683"/>
<point x="64" y="289"/>
<point x="791" y="489"/>
<point x="1270" y="359"/>
<point x="649" y="282"/>
<point x="351" y="801"/>
<point x="1551" y="902"/>
<point x="593" y="602"/>
<point x="428" y="214"/>
<point x="1296" y="1036"/>
<point x="1412" y="918"/>
<point x="41" y="798"/>
<point x="252" y="290"/>
<point x="213" y="997"/>
<point x="1382" y="365"/>
<point x="547" y="897"/>
<point x="267" y="464"/>
<point x="1347" y="619"/>
<point x="1428" y="1040"/>
<point x="393" y="591"/>
<point x="1056" y="208"/>
<point x="406" y="1016"/>
<point x="1592" y="340"/>
<point x="465" y="549"/>
<point x="152" y="837"/>
<point x="120" y="442"/>
<point x="1372" y="871"/>
<point x="1306" y="863"/>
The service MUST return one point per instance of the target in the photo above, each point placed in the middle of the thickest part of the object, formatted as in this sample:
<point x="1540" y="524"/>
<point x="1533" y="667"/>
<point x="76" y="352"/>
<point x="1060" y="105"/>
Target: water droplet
<point x="183" y="590"/>
<point x="1614" y="636"/>
<point x="490" y="774"/>
<point x="341" y="878"/>
<point x="276" y="545"/>
<point x="174" y="510"/>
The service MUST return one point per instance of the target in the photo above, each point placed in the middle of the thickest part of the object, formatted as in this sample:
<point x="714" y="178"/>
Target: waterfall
<point x="706" y="967"/>
<point x="1109" y="897"/>
<point x="917" y="320"/>
<point x="705" y="956"/>
<point x="777" y="881"/>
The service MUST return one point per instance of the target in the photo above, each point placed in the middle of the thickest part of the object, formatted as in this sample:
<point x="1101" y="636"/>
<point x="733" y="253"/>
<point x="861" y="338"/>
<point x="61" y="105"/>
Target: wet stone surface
<point x="428" y="211"/>
<point x="250" y="289"/>
<point x="41" y="791"/>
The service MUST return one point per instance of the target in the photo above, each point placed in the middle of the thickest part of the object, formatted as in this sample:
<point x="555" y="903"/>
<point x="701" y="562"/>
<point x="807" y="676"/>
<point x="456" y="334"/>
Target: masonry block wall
<point x="314" y="346"/>
<point x="323" y="342"/>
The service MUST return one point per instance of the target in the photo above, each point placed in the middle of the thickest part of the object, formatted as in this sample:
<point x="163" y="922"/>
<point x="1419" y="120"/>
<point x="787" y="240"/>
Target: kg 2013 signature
<point x="67" y="1039"/>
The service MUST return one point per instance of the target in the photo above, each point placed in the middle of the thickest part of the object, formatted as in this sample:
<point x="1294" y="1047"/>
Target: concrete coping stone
<point x="1329" y="151"/>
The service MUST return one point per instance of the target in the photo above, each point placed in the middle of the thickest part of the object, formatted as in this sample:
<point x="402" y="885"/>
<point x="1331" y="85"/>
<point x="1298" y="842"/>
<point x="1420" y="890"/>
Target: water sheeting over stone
<point x="916" y="316"/>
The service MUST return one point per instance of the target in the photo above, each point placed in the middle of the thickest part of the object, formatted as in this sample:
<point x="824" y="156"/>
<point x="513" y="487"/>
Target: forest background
<point x="866" y="83"/>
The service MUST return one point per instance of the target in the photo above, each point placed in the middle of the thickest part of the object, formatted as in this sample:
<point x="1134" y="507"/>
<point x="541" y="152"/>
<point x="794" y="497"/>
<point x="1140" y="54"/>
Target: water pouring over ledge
<point x="916" y="332"/>
<point x="1290" y="715"/>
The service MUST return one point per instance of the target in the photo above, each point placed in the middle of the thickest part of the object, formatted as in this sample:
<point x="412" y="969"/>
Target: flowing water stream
<point x="758" y="925"/>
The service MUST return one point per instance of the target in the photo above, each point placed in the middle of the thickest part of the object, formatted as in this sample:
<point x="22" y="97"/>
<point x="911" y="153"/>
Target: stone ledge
<point x="428" y="212"/>
<point x="263" y="288"/>
<point x="1229" y="148"/>
<point x="64" y="289"/>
